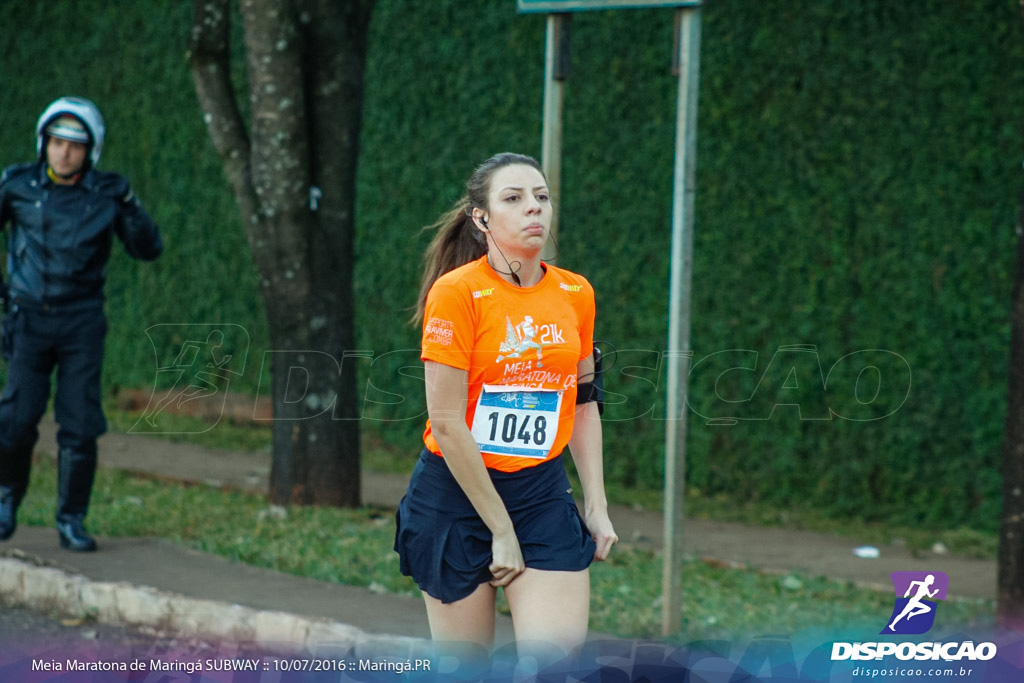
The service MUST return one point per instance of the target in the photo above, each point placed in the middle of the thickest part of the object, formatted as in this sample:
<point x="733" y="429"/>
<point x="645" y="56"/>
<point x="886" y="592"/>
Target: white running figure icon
<point x="915" y="607"/>
<point x="519" y="339"/>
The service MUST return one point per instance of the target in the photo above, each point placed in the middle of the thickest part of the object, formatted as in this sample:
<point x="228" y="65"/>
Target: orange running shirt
<point x="520" y="346"/>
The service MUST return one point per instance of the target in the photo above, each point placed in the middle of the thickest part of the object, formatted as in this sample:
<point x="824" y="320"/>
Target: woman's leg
<point x="470" y="620"/>
<point x="549" y="608"/>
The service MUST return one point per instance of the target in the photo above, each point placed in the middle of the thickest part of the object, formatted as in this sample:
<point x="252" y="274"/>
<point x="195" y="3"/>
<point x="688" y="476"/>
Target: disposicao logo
<point x="914" y="612"/>
<point x="917" y="596"/>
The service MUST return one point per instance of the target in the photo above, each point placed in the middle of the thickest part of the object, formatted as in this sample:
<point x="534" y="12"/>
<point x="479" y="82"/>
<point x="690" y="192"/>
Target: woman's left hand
<point x="602" y="531"/>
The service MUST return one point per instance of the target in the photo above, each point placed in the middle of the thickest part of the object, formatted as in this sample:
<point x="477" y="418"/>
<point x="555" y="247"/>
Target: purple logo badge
<point x="917" y="594"/>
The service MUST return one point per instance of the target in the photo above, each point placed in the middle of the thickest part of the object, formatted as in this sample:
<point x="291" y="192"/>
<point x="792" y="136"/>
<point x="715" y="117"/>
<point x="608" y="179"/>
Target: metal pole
<point x="556" y="70"/>
<point x="679" y="355"/>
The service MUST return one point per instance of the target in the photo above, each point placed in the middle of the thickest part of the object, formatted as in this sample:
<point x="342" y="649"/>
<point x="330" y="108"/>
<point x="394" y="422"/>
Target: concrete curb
<point x="28" y="585"/>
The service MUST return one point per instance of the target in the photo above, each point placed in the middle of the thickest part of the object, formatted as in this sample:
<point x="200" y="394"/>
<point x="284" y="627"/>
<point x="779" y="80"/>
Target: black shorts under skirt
<point x="446" y="548"/>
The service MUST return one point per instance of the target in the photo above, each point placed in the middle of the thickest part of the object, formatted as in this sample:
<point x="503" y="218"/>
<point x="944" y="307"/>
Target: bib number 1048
<point x="516" y="421"/>
<point x="512" y="431"/>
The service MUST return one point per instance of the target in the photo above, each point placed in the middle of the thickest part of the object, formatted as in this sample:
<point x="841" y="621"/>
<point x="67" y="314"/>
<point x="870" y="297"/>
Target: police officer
<point x="62" y="214"/>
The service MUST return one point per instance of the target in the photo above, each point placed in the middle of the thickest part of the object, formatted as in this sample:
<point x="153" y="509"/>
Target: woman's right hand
<point x="507" y="559"/>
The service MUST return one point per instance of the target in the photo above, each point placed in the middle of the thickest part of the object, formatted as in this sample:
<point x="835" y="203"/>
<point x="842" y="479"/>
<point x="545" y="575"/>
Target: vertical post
<point x="686" y="63"/>
<point x="556" y="71"/>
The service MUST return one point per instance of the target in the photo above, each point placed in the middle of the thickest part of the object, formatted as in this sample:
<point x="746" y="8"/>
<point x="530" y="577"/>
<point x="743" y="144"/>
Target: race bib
<point x="516" y="421"/>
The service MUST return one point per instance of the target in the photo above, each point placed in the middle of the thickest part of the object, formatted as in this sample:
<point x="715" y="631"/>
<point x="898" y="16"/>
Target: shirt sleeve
<point x="448" y="327"/>
<point x="134" y="227"/>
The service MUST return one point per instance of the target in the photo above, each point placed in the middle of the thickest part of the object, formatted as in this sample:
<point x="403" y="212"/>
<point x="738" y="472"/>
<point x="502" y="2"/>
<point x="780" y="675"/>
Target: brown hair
<point x="458" y="241"/>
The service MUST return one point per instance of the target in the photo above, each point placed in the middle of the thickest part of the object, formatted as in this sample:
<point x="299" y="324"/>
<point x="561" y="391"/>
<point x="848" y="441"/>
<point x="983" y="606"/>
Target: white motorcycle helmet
<point x="81" y="109"/>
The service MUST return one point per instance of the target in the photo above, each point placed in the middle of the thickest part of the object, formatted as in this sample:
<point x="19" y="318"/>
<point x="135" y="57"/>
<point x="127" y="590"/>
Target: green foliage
<point x="857" y="190"/>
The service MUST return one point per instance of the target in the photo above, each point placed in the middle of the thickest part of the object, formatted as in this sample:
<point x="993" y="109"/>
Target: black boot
<point x="10" y="498"/>
<point x="75" y="474"/>
<point x="73" y="535"/>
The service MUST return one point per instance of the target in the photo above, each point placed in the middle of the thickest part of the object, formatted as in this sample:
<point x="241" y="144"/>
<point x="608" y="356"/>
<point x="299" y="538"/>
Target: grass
<point x="355" y="547"/>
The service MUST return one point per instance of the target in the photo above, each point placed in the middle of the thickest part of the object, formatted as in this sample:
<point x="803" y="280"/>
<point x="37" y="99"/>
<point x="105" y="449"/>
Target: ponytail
<point x="457" y="242"/>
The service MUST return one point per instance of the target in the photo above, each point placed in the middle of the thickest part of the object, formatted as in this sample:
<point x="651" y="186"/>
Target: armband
<point x="588" y="392"/>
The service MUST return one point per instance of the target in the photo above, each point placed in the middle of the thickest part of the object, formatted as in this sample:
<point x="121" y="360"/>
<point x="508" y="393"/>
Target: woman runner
<point x="508" y="359"/>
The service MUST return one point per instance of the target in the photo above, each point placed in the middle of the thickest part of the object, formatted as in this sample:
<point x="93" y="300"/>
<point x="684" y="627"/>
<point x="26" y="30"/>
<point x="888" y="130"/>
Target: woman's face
<point x="518" y="215"/>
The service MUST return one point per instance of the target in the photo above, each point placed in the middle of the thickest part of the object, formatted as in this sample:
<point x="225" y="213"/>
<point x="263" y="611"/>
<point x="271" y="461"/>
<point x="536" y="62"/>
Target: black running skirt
<point x="446" y="548"/>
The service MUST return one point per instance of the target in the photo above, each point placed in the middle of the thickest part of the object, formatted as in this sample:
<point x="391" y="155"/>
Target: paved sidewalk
<point x="157" y="584"/>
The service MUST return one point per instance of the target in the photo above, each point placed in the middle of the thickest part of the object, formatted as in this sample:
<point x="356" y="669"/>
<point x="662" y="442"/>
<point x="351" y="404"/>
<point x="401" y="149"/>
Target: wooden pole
<point x="556" y="71"/>
<point x="686" y="62"/>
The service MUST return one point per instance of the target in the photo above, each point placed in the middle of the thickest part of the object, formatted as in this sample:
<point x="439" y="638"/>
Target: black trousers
<point x="37" y="339"/>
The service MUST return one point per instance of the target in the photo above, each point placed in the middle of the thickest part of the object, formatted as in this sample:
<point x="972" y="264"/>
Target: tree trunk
<point x="294" y="177"/>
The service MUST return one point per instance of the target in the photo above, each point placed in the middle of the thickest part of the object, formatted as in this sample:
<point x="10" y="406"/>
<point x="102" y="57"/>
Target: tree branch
<point x="210" y="62"/>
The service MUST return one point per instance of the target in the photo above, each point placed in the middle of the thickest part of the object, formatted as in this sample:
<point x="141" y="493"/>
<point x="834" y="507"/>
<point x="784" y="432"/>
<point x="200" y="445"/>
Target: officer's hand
<point x="121" y="191"/>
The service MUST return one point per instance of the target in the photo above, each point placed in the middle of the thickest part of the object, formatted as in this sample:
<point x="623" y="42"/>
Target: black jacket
<point x="60" y="235"/>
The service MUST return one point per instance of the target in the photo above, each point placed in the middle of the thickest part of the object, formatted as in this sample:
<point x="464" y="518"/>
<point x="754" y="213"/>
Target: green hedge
<point x="856" y="203"/>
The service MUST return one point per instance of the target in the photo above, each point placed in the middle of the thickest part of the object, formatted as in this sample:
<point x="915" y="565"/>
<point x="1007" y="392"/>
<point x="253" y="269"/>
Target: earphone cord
<point x="514" y="271"/>
<point x="511" y="271"/>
